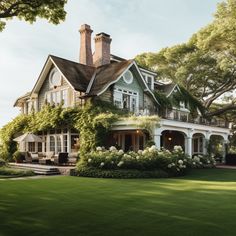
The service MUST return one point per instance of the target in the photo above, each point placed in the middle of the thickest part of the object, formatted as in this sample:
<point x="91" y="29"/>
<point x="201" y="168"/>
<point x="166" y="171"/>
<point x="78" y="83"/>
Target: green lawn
<point x="202" y="203"/>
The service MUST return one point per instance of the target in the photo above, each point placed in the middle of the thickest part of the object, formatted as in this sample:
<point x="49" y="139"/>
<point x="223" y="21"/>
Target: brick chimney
<point x="85" y="56"/>
<point x="101" y="55"/>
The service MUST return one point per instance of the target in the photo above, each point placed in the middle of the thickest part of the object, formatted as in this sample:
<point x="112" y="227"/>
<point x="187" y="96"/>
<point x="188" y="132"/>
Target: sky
<point x="136" y="26"/>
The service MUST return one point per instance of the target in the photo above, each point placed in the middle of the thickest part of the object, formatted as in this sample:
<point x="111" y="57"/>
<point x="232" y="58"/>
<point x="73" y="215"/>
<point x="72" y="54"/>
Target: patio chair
<point x="35" y="157"/>
<point x="62" y="158"/>
<point x="49" y="155"/>
<point x="28" y="157"/>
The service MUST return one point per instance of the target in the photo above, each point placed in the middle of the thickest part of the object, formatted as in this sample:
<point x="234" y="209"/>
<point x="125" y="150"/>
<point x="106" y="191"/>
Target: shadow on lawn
<point x="218" y="175"/>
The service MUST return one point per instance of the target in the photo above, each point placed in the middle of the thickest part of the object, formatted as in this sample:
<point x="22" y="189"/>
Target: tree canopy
<point x="206" y="64"/>
<point x="29" y="10"/>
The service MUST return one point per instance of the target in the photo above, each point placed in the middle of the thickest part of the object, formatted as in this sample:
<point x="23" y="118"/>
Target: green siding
<point x="134" y="86"/>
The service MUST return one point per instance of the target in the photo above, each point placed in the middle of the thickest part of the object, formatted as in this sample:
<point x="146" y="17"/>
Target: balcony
<point x="201" y="121"/>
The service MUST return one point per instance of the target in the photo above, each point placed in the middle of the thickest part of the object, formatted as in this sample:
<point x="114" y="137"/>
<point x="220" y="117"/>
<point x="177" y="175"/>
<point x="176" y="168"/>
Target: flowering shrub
<point x="173" y="163"/>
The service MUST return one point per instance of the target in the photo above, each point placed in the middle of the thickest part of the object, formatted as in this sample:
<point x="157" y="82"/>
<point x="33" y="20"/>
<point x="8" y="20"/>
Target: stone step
<point x="37" y="169"/>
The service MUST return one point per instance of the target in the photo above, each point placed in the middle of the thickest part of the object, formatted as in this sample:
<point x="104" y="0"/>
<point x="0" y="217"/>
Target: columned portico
<point x="196" y="136"/>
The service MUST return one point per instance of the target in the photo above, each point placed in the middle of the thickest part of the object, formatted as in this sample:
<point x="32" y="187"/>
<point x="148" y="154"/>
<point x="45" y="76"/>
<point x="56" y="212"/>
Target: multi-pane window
<point x="57" y="97"/>
<point x="126" y="99"/>
<point x="52" y="144"/>
<point x="31" y="147"/>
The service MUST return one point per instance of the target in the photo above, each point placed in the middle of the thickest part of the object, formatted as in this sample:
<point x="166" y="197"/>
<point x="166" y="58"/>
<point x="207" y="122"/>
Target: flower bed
<point x="150" y="162"/>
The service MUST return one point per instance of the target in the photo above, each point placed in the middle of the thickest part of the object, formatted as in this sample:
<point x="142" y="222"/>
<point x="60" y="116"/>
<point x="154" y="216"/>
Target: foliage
<point x="2" y="162"/>
<point x="151" y="159"/>
<point x="14" y="172"/>
<point x="30" y="10"/>
<point x="86" y="171"/>
<point x="92" y="122"/>
<point x="18" y="156"/>
<point x="205" y="65"/>
<point x="144" y="122"/>
<point x="7" y="133"/>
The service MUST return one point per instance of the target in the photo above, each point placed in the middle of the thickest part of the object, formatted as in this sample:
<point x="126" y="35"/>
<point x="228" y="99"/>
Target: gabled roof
<point x="106" y="75"/>
<point x="77" y="74"/>
<point x="88" y="79"/>
<point x="167" y="89"/>
<point x="22" y="98"/>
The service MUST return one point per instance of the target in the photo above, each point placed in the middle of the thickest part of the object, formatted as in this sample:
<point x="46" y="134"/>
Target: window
<point x="52" y="144"/>
<point x="126" y="99"/>
<point x="128" y="77"/>
<point x="58" y="143"/>
<point x="31" y="147"/>
<point x="55" y="78"/>
<point x="64" y="98"/>
<point x="65" y="142"/>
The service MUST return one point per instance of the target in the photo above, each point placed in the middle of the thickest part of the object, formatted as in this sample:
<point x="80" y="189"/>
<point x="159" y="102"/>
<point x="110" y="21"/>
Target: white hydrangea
<point x="178" y="148"/>
<point x="145" y="152"/>
<point x="208" y="162"/>
<point x="102" y="164"/>
<point x="152" y="148"/>
<point x="89" y="160"/>
<point x="194" y="163"/>
<point x="120" y="152"/>
<point x="137" y="157"/>
<point x="169" y="166"/>
<point x="173" y="164"/>
<point x="196" y="159"/>
<point x="120" y="163"/>
<point x="112" y="149"/>
<point x="99" y="149"/>
<point x="180" y="162"/>
<point x="140" y="152"/>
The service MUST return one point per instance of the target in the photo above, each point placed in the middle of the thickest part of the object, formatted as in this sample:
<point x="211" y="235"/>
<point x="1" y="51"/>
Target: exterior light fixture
<point x="169" y="138"/>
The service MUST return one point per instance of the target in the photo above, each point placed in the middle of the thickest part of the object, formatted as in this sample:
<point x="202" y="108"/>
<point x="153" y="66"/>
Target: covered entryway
<point x="128" y="140"/>
<point x="199" y="145"/>
<point x="171" y="138"/>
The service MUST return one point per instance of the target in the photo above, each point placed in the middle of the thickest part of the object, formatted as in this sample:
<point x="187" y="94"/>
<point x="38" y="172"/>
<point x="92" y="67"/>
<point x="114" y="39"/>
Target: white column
<point x="157" y="136"/>
<point x="157" y="140"/>
<point x="205" y="143"/>
<point x="225" y="142"/>
<point x="189" y="146"/>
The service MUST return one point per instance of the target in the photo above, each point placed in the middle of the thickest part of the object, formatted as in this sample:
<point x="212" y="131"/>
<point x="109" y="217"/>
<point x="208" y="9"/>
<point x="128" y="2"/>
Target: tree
<point x="206" y="64"/>
<point x="29" y="10"/>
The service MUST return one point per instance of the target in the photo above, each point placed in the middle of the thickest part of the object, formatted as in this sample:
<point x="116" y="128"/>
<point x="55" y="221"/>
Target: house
<point x="125" y="84"/>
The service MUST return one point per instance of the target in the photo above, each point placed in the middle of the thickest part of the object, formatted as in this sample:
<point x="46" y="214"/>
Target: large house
<point x="125" y="84"/>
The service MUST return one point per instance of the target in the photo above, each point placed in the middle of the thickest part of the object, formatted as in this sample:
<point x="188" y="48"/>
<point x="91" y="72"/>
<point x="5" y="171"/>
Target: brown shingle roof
<point x="106" y="75"/>
<point x="77" y="74"/>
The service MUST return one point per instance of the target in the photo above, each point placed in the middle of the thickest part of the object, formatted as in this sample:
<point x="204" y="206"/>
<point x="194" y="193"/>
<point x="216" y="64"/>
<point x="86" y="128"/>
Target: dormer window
<point x="55" y="78"/>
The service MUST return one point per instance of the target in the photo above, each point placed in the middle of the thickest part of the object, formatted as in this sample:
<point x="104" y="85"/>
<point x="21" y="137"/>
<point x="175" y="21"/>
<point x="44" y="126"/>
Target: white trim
<point x="173" y="90"/>
<point x="62" y="74"/>
<point x="91" y="82"/>
<point x="113" y="82"/>
<point x="148" y="71"/>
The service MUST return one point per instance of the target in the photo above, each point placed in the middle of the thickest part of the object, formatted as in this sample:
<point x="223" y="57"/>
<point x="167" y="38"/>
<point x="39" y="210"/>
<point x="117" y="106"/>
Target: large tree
<point x="206" y="64"/>
<point x="29" y="10"/>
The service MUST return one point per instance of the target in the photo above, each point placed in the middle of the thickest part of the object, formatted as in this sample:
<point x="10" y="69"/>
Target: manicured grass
<point x="202" y="203"/>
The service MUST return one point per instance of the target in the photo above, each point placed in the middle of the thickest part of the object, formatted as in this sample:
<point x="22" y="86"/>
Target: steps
<point x="37" y="169"/>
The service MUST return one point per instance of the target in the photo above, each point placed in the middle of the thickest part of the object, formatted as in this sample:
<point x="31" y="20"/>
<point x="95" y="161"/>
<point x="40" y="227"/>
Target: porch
<point x="193" y="138"/>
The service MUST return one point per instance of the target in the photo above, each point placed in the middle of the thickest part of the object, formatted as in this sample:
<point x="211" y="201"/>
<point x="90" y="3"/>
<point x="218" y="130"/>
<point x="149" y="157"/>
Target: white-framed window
<point x="57" y="97"/>
<point x="52" y="144"/>
<point x="126" y="99"/>
<point x="55" y="78"/>
<point x="64" y="97"/>
<point x="128" y="77"/>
